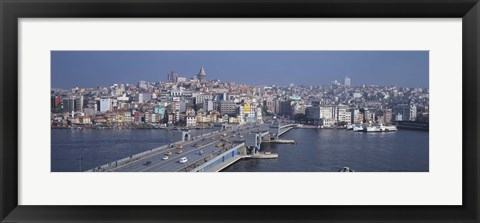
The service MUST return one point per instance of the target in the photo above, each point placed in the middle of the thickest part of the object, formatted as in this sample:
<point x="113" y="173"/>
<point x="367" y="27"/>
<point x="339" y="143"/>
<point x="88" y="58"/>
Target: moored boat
<point x="381" y="128"/>
<point x="358" y="128"/>
<point x="349" y="127"/>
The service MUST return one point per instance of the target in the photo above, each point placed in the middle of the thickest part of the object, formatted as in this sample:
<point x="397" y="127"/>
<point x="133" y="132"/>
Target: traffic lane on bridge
<point x="138" y="165"/>
<point x="172" y="163"/>
<point x="156" y="159"/>
<point x="191" y="154"/>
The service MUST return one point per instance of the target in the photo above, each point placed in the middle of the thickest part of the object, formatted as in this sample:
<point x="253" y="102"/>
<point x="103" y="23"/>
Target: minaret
<point x="202" y="76"/>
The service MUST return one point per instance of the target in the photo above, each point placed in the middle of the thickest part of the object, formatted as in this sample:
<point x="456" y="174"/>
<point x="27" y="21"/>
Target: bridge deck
<point x="206" y="144"/>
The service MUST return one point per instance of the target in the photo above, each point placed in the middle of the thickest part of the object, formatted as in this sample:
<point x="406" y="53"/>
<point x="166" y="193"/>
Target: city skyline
<point x="384" y="68"/>
<point x="217" y="123"/>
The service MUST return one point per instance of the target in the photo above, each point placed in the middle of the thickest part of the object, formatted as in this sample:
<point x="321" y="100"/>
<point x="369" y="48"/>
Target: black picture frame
<point x="11" y="11"/>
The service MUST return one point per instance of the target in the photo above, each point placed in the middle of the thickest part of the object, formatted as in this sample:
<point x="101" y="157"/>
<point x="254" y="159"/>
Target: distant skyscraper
<point x="172" y="77"/>
<point x="347" y="82"/>
<point x="202" y="76"/>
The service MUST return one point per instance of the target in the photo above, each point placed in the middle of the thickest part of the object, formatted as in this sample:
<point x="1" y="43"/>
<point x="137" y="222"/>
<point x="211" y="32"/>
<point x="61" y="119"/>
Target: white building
<point x="123" y="98"/>
<point x="413" y="112"/>
<point x="176" y="93"/>
<point x="343" y="115"/>
<point x="208" y="105"/>
<point x="191" y="121"/>
<point x="105" y="104"/>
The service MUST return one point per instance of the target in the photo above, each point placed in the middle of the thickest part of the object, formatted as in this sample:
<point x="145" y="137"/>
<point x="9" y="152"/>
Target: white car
<point x="183" y="160"/>
<point x="165" y="158"/>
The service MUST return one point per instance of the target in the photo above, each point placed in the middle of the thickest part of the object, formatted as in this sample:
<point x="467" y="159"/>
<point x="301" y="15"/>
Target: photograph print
<point x="240" y="111"/>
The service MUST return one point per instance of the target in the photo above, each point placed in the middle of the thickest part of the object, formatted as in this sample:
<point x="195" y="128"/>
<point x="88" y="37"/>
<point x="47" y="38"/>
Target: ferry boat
<point x="381" y="128"/>
<point x="346" y="169"/>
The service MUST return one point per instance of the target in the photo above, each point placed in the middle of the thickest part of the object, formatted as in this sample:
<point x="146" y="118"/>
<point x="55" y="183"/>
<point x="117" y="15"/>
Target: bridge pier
<point x="186" y="136"/>
<point x="253" y="142"/>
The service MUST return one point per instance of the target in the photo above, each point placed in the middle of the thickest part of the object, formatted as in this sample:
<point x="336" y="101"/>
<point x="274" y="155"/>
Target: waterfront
<point x="74" y="150"/>
<point x="316" y="150"/>
<point x="327" y="150"/>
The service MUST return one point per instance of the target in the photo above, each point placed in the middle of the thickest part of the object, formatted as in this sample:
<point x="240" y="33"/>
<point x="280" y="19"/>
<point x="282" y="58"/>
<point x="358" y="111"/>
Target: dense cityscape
<point x="198" y="102"/>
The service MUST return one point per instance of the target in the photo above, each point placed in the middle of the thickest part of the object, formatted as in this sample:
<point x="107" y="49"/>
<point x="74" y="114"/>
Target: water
<point x="316" y="150"/>
<point x="75" y="150"/>
<point x="325" y="150"/>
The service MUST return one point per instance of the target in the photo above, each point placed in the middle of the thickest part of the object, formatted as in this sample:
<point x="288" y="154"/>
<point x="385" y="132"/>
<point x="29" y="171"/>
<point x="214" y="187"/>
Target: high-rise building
<point x="202" y="75"/>
<point x="413" y="112"/>
<point x="355" y="116"/>
<point x="208" y="105"/>
<point x="68" y="104"/>
<point x="105" y="104"/>
<point x="270" y="103"/>
<point x="343" y="115"/>
<point x="227" y="107"/>
<point x="172" y="77"/>
<point x="79" y="103"/>
<point x="347" y="82"/>
<point x="285" y="108"/>
<point x="387" y="116"/>
<point x="405" y="112"/>
<point x="199" y="99"/>
<point x="56" y="102"/>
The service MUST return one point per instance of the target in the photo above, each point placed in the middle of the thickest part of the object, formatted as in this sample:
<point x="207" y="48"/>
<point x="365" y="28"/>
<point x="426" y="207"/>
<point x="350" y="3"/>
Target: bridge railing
<point x="111" y="165"/>
<point x="204" y="165"/>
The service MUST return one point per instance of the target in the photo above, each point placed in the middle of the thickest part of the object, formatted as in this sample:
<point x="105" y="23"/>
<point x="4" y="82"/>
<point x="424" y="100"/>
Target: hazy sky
<point x="104" y="68"/>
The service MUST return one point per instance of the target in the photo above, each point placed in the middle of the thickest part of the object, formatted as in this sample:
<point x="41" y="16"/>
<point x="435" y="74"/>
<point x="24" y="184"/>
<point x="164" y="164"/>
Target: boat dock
<point x="282" y="141"/>
<point x="265" y="155"/>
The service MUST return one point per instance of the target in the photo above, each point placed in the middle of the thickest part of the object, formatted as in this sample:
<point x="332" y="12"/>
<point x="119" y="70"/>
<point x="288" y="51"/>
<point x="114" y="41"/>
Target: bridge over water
<point x="208" y="152"/>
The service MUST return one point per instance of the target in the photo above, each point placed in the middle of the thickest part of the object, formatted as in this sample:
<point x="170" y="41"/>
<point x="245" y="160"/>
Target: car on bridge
<point x="179" y="151"/>
<point x="168" y="153"/>
<point x="183" y="160"/>
<point x="165" y="158"/>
